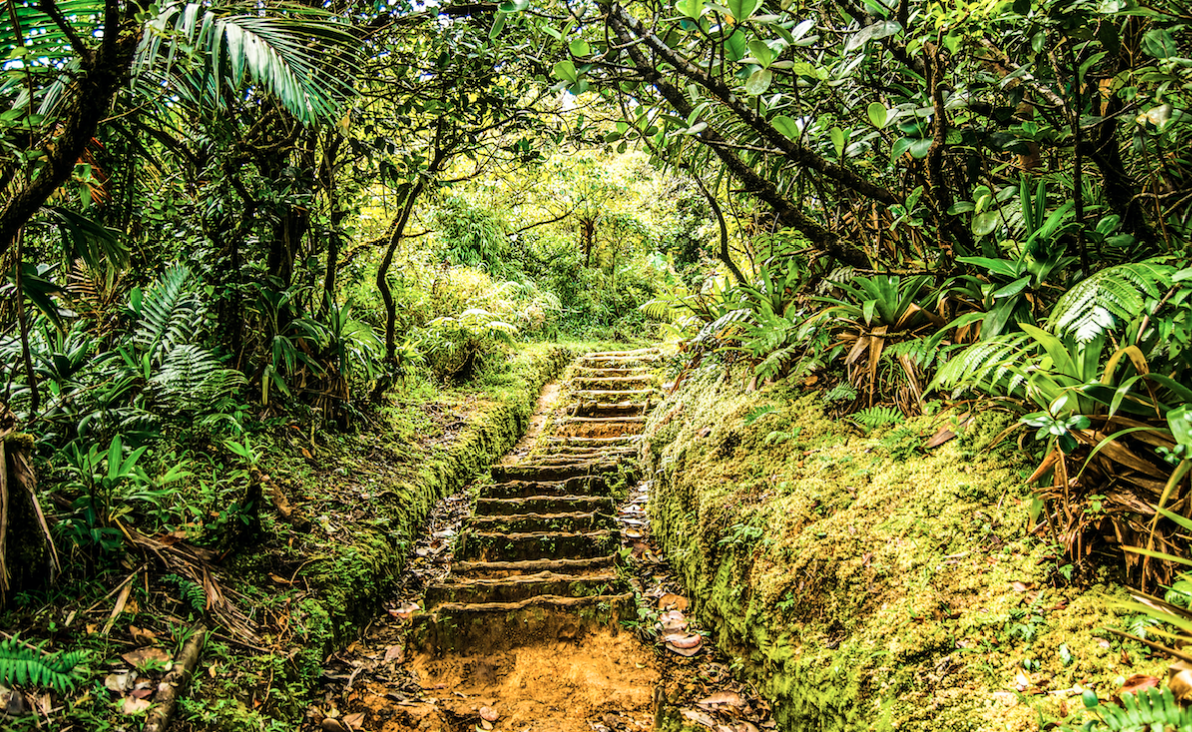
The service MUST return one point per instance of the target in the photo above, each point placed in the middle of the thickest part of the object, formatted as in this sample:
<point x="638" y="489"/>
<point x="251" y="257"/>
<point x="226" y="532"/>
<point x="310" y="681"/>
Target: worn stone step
<point x="537" y="472"/>
<point x="514" y="589"/>
<point x="582" y="485"/>
<point x="593" y="441"/>
<point x="607" y="409"/>
<point x="496" y="570"/>
<point x="544" y="505"/>
<point x="645" y="351"/>
<point x="614" y="393"/>
<point x="581" y="452"/>
<point x="563" y="459"/>
<point x="500" y="547"/>
<point x="520" y="523"/>
<point x="480" y="629"/>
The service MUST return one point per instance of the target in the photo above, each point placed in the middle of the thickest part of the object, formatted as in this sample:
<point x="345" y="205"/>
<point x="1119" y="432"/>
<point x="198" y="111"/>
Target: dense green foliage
<point x="227" y="220"/>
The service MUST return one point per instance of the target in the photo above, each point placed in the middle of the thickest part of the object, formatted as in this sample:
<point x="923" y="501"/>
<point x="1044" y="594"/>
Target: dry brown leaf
<point x="119" y="683"/>
<point x="698" y="717"/>
<point x="394" y="653"/>
<point x="723" y="698"/>
<point x="1137" y="683"/>
<point x="671" y="601"/>
<point x="143" y="657"/>
<point x="278" y="579"/>
<point x="141" y="636"/>
<point x="489" y="714"/>
<point x="354" y="721"/>
<point x="1022" y="586"/>
<point x="1179" y="680"/>
<point x="406" y="611"/>
<point x="133" y="705"/>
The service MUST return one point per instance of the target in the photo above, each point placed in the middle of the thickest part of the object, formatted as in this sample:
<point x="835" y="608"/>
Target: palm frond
<point x="302" y="57"/>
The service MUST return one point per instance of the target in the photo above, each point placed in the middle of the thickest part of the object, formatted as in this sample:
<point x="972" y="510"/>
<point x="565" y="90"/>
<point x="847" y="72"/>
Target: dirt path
<point x="515" y="614"/>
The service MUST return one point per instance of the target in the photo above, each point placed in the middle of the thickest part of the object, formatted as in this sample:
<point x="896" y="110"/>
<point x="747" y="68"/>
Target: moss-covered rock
<point x="865" y="582"/>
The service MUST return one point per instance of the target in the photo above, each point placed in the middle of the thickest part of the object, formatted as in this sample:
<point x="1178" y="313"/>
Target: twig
<point x="120" y="603"/>
<point x="167" y="690"/>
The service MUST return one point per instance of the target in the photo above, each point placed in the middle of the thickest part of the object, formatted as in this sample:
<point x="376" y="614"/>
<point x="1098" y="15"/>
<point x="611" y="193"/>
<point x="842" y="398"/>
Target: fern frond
<point x="192" y="593"/>
<point x="714" y="329"/>
<point x="170" y="314"/>
<point x="1117" y="294"/>
<point x="22" y="665"/>
<point x="993" y="366"/>
<point x="192" y="379"/>
<point x="875" y="417"/>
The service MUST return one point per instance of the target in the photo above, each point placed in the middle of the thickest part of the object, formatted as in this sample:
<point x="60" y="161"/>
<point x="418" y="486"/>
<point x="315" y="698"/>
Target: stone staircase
<point x="537" y="561"/>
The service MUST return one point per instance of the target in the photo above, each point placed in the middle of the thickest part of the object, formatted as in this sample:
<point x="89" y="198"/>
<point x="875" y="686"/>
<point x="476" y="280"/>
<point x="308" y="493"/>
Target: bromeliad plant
<point x="873" y="313"/>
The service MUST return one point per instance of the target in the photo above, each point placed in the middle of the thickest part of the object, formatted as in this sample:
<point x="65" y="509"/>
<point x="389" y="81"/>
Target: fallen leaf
<point x="672" y="621"/>
<point x="133" y="705"/>
<point x="278" y="579"/>
<point x="333" y="725"/>
<point x="671" y="601"/>
<point x="119" y="683"/>
<point x="354" y="721"/>
<point x="141" y="658"/>
<point x="485" y="724"/>
<point x="698" y="717"/>
<point x="1137" y="683"/>
<point x="720" y="698"/>
<point x="141" y="636"/>
<point x="489" y="714"/>
<point x="683" y="644"/>
<point x="394" y="653"/>
<point x="144" y="693"/>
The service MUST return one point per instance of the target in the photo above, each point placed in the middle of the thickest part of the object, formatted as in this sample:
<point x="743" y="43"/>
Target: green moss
<point x="866" y="582"/>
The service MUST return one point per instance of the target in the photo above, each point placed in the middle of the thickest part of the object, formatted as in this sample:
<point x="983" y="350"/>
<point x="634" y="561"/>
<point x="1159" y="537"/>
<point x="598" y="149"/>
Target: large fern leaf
<point x="994" y="366"/>
<point x="1114" y="295"/>
<point x="170" y="314"/>
<point x="20" y="664"/>
<point x="192" y="379"/>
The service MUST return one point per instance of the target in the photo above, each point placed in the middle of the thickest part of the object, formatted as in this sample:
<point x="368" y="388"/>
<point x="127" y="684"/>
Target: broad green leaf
<point x="839" y="137"/>
<point x="877" y="114"/>
<point x="786" y="126"/>
<point x="985" y="223"/>
<point x="960" y="207"/>
<point x="900" y="147"/>
<point x="579" y="48"/>
<point x="690" y="8"/>
<point x="920" y="147"/>
<point x="566" y="70"/>
<point x="761" y="52"/>
<point x="759" y="81"/>
<point x="743" y="9"/>
<point x="1158" y="43"/>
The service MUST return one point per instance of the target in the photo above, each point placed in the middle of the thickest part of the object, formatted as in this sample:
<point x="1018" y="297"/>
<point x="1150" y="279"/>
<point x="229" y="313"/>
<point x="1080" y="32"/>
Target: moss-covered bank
<point x="863" y="581"/>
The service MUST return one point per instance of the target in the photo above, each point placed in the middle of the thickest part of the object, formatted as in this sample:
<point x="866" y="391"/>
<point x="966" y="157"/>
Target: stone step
<point x="584" y="485"/>
<point x="593" y="441"/>
<point x="646" y="351"/>
<point x="563" y="459"/>
<point x="480" y="629"/>
<point x="535" y="472"/>
<point x="606" y="409"/>
<point x="613" y="393"/>
<point x="496" y="570"/>
<point x="544" y="505"/>
<point x="612" y="377"/>
<point x="514" y="589"/>
<point x="499" y="547"/>
<point x="581" y="452"/>
<point x="520" y="523"/>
